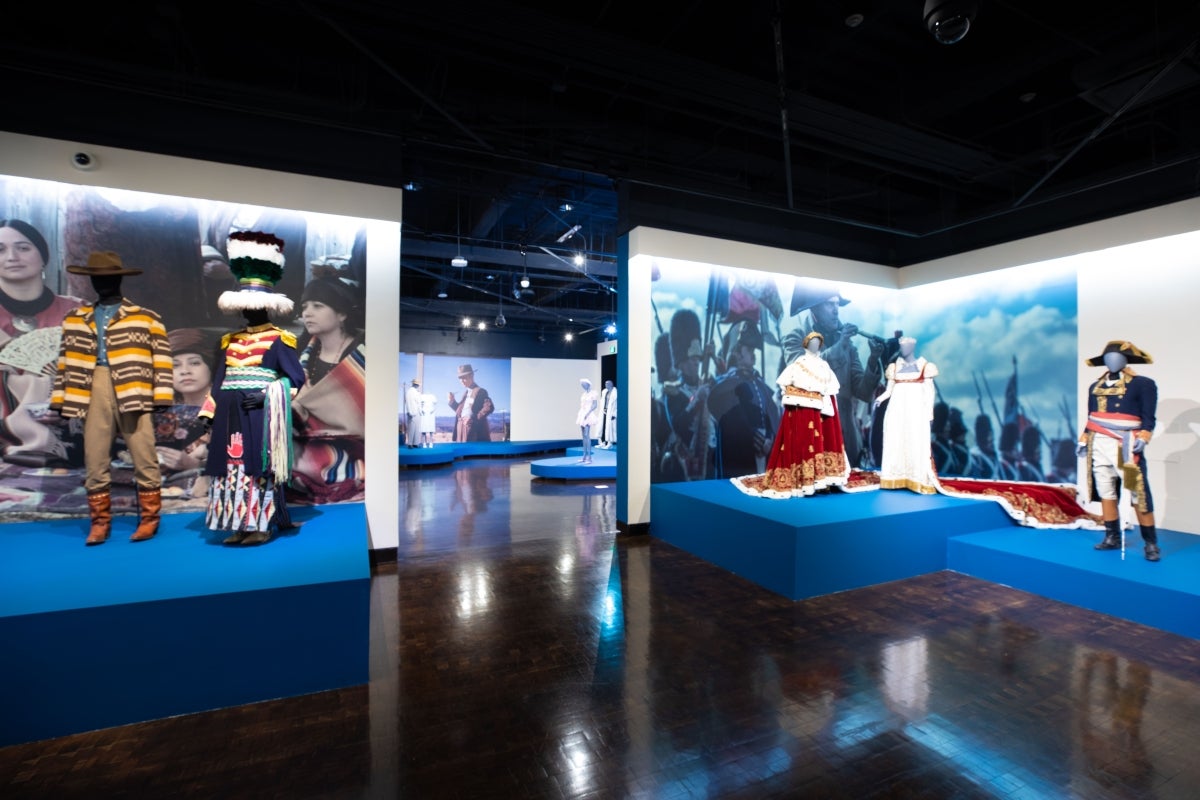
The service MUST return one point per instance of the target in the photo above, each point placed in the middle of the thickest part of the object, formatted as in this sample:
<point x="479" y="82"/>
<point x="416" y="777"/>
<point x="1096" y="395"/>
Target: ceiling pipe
<point x="1099" y="129"/>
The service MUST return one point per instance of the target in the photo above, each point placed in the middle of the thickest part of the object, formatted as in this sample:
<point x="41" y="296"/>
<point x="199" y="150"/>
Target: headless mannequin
<point x="107" y="288"/>
<point x="814" y="345"/>
<point x="1115" y="362"/>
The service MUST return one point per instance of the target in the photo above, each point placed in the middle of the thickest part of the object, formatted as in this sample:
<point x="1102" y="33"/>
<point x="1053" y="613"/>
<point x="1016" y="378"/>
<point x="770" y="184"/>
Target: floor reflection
<point x="520" y="649"/>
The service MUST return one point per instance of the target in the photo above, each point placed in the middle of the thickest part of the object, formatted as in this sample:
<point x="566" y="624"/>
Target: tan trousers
<point x="100" y="428"/>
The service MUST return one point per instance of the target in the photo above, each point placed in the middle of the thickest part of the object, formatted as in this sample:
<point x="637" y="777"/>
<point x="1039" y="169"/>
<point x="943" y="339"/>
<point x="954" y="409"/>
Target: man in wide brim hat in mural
<point x="1122" y="406"/>
<point x="472" y="410"/>
<point x="823" y="300"/>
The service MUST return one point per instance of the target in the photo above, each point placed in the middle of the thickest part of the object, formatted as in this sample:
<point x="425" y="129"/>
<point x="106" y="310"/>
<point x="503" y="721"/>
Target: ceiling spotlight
<point x="611" y="329"/>
<point x="442" y="295"/>
<point x="854" y="20"/>
<point x="466" y="322"/>
<point x="524" y="281"/>
<point x="950" y="20"/>
<point x="570" y="337"/>
<point x="580" y="260"/>
<point x="458" y="261"/>
<point x="500" y="320"/>
<point x="565" y="207"/>
<point x="482" y="325"/>
<point x="412" y="186"/>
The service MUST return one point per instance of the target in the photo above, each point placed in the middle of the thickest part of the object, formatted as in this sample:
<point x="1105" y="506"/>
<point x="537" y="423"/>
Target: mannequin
<point x="808" y="453"/>
<point x="588" y="416"/>
<point x="114" y="368"/>
<point x="608" y="416"/>
<point x="907" y="458"/>
<point x="249" y="456"/>
<point x="1121" y="416"/>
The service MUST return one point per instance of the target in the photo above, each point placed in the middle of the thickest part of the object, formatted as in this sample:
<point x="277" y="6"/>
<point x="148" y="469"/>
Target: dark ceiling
<point x="896" y="148"/>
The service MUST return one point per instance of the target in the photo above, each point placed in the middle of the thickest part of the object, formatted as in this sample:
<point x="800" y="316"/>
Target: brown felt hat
<point x="103" y="262"/>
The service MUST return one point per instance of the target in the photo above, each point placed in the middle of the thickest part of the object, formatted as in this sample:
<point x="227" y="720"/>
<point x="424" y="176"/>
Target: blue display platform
<point x="1063" y="565"/>
<point x="805" y="547"/>
<point x="126" y="632"/>
<point x="568" y="468"/>
<point x="449" y="452"/>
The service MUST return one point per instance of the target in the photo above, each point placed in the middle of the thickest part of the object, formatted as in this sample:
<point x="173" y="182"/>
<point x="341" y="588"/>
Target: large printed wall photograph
<point x="1005" y="344"/>
<point x="180" y="245"/>
<point x="455" y="399"/>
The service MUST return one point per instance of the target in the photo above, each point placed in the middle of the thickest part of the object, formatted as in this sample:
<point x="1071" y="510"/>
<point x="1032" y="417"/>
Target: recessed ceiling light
<point x="442" y="295"/>
<point x="458" y="261"/>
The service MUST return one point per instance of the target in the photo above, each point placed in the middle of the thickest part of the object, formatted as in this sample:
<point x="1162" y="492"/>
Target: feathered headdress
<point x="256" y="260"/>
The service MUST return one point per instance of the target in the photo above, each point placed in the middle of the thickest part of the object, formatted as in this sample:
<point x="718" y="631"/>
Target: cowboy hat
<point x="1132" y="353"/>
<point x="103" y="262"/>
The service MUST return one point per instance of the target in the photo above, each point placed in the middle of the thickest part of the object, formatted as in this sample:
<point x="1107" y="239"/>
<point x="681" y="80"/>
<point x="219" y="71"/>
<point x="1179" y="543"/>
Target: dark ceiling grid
<point x="900" y="149"/>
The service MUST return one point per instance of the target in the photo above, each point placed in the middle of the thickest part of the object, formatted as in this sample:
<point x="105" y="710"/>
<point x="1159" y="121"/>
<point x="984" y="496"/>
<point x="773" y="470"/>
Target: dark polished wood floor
<point x="520" y="650"/>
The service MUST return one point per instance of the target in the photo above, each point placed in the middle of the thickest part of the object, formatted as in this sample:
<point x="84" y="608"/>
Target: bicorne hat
<point x="1133" y="354"/>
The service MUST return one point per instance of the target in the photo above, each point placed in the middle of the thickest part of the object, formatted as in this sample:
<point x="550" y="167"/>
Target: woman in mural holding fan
<point x="31" y="318"/>
<point x="329" y="409"/>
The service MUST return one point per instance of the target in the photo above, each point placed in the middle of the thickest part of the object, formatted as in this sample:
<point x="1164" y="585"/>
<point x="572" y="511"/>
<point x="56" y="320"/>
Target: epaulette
<point x="288" y="337"/>
<point x="225" y="340"/>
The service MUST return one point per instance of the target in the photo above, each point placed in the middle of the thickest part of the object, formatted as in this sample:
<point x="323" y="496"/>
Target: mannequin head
<point x="813" y="342"/>
<point x="1115" y="362"/>
<point x="108" y="288"/>
<point x="585" y="384"/>
<point x="908" y="346"/>
<point x="608" y="384"/>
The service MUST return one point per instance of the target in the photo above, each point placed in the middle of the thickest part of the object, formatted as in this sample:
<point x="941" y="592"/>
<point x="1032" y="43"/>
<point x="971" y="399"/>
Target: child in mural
<point x="330" y="408"/>
<point x="31" y="316"/>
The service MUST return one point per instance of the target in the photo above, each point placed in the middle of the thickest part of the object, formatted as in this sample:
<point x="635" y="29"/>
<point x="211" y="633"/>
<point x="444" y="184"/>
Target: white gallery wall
<point x="545" y="396"/>
<point x="1138" y="278"/>
<point x="51" y="159"/>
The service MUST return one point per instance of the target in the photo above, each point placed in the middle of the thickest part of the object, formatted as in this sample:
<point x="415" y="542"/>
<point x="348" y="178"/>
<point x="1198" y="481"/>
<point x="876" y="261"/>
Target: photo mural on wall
<point x="180" y="246"/>
<point x="462" y="399"/>
<point x="1005" y="342"/>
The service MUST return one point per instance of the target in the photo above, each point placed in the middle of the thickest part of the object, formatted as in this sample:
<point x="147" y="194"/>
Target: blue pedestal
<point x="1062" y="565"/>
<point x="449" y="452"/>
<point x="603" y="466"/>
<point x="805" y="547"/>
<point x="126" y="632"/>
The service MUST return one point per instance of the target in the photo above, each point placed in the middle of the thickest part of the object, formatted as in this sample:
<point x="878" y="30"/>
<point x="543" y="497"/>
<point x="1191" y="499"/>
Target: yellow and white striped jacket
<point x="139" y="360"/>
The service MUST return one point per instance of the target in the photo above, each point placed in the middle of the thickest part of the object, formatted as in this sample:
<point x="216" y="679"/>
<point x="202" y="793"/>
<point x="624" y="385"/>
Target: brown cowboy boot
<point x="100" y="508"/>
<point x="149" y="507"/>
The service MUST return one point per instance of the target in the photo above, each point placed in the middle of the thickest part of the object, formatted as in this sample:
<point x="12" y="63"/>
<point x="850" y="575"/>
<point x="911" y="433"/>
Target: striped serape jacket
<point x="139" y="360"/>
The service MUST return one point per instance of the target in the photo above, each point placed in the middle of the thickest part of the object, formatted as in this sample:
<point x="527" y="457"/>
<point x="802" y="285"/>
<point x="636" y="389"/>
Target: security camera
<point x="949" y="21"/>
<point x="84" y="160"/>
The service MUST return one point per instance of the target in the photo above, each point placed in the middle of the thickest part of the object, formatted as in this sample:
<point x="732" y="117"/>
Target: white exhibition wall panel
<point x="155" y="193"/>
<point x="1147" y="293"/>
<point x="545" y="396"/>
<point x="1010" y="332"/>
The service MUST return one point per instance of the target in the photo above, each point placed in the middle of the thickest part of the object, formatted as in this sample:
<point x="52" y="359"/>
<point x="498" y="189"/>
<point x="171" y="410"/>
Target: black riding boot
<point x="1112" y="535"/>
<point x="1150" y="537"/>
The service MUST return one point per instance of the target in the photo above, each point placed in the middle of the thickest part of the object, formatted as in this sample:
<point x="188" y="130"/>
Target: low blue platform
<point x="805" y="547"/>
<point x="1062" y="565"/>
<point x="100" y="636"/>
<point x="568" y="468"/>
<point x="449" y="452"/>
